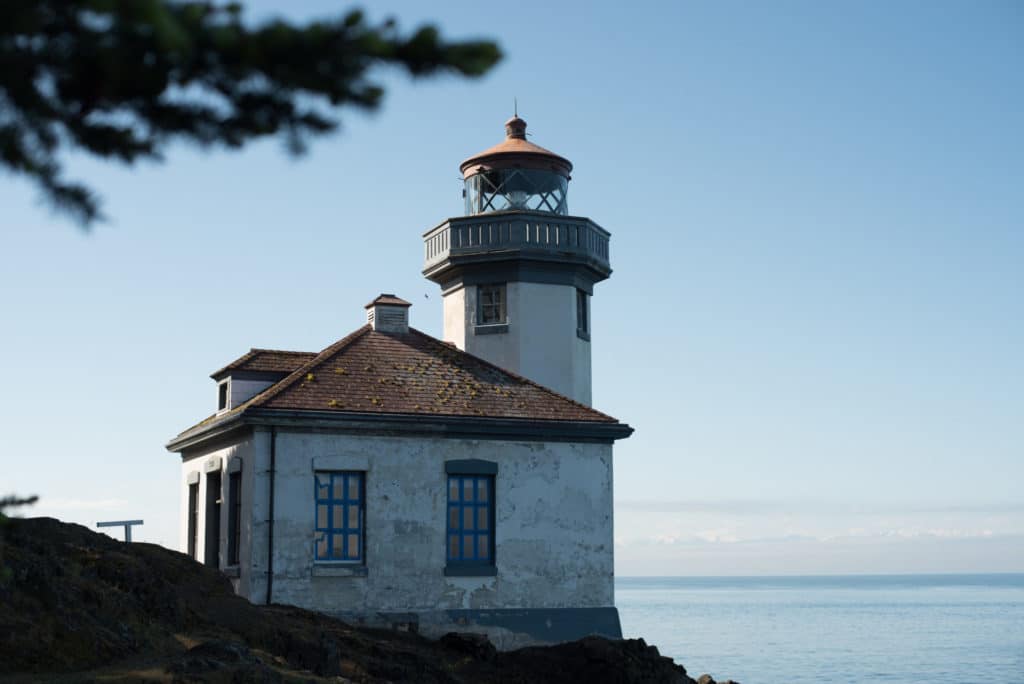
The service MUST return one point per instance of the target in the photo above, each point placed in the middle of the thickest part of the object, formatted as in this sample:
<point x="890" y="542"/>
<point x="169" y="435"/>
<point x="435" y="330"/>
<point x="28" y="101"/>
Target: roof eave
<point x="545" y="161"/>
<point x="201" y="433"/>
<point x="402" y="424"/>
<point x="482" y="427"/>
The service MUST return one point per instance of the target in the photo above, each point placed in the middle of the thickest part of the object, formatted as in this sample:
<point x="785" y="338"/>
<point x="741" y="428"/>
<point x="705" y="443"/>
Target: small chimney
<point x="387" y="313"/>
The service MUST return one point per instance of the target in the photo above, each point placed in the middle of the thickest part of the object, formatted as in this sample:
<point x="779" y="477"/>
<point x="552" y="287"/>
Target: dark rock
<point x="708" y="679"/>
<point x="594" y="659"/>
<point x="73" y="601"/>
<point x="471" y="643"/>
<point x="221" y="661"/>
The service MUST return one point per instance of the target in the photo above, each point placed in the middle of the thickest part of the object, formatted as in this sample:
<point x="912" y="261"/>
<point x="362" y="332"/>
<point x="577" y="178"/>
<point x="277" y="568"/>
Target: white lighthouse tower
<point x="517" y="271"/>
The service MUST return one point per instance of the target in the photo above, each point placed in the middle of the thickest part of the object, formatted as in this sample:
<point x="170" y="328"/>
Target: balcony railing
<point x="549" y="236"/>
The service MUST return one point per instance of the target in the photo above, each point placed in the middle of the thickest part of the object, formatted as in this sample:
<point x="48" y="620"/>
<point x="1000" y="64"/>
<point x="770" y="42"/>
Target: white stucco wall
<point x="457" y="315"/>
<point x="199" y="461"/>
<point x="553" y="529"/>
<point x="541" y="341"/>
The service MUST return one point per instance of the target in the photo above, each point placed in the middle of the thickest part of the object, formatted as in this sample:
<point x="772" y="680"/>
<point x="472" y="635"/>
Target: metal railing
<point x="523" y="231"/>
<point x="127" y="524"/>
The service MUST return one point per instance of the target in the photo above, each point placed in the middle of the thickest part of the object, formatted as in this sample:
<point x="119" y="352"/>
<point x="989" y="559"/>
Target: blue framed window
<point x="340" y="511"/>
<point x="470" y="519"/>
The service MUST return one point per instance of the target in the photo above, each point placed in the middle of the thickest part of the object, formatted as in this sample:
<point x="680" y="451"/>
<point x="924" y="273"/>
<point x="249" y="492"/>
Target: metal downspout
<point x="270" y="525"/>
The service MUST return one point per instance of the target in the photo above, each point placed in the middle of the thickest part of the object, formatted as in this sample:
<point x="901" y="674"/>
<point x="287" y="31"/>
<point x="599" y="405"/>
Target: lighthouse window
<point x="340" y="511"/>
<point x="582" y="315"/>
<point x="516" y="190"/>
<point x="491" y="304"/>
<point x="470" y="518"/>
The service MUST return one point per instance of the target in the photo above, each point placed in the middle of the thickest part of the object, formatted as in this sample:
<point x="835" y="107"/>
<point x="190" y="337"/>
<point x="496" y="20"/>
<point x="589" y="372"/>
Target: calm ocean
<point x="910" y="629"/>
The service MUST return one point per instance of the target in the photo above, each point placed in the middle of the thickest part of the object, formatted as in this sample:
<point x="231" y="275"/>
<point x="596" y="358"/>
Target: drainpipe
<point x="270" y="523"/>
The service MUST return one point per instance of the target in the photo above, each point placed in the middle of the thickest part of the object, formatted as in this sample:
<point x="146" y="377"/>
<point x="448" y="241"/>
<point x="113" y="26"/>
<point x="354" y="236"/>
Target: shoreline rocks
<point x="79" y="606"/>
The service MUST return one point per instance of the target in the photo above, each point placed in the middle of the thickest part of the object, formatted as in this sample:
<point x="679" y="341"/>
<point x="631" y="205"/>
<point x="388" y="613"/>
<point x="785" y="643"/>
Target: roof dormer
<point x="248" y="375"/>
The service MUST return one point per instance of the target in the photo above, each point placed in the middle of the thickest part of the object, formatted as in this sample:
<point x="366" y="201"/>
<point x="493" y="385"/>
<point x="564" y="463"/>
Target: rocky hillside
<point x="79" y="606"/>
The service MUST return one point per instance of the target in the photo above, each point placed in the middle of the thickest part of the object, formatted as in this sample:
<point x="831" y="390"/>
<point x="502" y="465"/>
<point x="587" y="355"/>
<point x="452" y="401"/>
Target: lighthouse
<point x="389" y="479"/>
<point x="517" y="270"/>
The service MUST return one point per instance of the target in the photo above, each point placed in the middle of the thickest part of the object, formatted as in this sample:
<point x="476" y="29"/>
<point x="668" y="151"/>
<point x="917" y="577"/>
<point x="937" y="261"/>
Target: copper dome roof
<point x="516" y="151"/>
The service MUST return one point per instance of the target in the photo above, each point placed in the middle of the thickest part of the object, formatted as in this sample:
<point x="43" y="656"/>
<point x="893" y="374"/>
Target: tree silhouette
<point x="122" y="78"/>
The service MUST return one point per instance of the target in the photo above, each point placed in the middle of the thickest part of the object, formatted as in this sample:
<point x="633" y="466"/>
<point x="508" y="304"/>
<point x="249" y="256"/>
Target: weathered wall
<point x="553" y="525"/>
<point x="457" y="316"/>
<point x="245" y="448"/>
<point x="541" y="341"/>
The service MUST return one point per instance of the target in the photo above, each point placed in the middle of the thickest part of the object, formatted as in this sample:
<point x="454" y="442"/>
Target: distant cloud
<point x="729" y="536"/>
<point x="776" y="506"/>
<point x="883" y="552"/>
<point x="81" y="504"/>
<point x="749" y="507"/>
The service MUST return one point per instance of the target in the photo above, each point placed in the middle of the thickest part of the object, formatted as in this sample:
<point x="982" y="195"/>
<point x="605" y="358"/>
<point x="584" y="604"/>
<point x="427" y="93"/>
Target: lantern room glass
<point x="516" y="189"/>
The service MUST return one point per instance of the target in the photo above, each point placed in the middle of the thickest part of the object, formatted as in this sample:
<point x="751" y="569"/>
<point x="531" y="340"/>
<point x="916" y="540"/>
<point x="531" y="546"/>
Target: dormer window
<point x="222" y="396"/>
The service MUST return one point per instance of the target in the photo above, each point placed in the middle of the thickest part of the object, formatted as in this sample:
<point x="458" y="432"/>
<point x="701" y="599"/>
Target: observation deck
<point x="548" y="247"/>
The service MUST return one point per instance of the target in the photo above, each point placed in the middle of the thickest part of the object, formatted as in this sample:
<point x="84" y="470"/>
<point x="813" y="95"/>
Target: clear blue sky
<point x="815" y="324"/>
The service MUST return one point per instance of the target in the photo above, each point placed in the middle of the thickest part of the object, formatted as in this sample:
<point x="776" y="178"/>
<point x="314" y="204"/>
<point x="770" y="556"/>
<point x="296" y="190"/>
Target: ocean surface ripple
<point x="897" y="629"/>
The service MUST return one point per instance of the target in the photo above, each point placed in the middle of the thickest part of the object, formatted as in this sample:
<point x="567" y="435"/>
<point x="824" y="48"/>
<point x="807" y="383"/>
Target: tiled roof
<point x="267" y="360"/>
<point x="401" y="374"/>
<point x="413" y="373"/>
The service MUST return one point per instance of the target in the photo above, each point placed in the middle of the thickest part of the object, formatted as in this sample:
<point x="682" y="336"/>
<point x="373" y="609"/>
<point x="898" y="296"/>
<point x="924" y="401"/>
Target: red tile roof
<point x="375" y="372"/>
<point x="371" y="372"/>
<point x="266" y="360"/>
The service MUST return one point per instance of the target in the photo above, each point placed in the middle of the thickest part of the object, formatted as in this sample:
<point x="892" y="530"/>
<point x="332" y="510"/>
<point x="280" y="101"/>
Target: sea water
<point x="896" y="629"/>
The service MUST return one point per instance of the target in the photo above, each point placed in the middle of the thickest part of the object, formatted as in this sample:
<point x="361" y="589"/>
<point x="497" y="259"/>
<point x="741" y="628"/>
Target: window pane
<point x="453" y="518"/>
<point x="481" y="489"/>
<point x="467" y="546"/>
<point x="483" y="547"/>
<point x="492" y="303"/>
<point x="467" y="490"/>
<point x="467" y="518"/>
<point x="453" y="489"/>
<point x="339" y="514"/>
<point x="481" y="518"/>
<point x="453" y="546"/>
